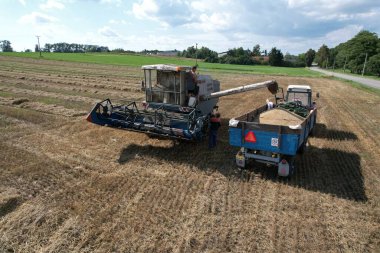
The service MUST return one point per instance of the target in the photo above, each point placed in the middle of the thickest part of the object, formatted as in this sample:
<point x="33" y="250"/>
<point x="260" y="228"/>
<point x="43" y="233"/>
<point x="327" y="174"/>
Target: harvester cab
<point x="175" y="105"/>
<point x="175" y="85"/>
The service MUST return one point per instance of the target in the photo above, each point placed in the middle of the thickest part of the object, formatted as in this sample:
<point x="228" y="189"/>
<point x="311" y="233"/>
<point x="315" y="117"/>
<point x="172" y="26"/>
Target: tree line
<point x="361" y="53"/>
<point x="63" y="47"/>
<point x="256" y="56"/>
<point x="71" y="48"/>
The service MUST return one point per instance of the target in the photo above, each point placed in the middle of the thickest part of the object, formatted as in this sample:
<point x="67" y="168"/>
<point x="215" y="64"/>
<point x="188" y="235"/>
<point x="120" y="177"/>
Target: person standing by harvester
<point x="214" y="126"/>
<point x="194" y="77"/>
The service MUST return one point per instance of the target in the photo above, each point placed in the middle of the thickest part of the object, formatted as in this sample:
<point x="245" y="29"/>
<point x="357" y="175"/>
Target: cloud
<point x="108" y="32"/>
<point x="118" y="22"/>
<point x="147" y="9"/>
<point x="117" y="2"/>
<point x="169" y="13"/>
<point x="23" y="2"/>
<point x="52" y="4"/>
<point x="343" y="34"/>
<point x="37" y="18"/>
<point x="335" y="10"/>
<point x="213" y="22"/>
<point x="286" y="17"/>
<point x="162" y="42"/>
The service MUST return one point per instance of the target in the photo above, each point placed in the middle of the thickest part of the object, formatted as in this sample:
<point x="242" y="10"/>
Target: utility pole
<point x="365" y="62"/>
<point x="39" y="47"/>
<point x="196" y="54"/>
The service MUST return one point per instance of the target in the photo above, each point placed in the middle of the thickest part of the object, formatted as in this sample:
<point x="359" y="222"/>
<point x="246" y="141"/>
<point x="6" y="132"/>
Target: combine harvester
<point x="170" y="109"/>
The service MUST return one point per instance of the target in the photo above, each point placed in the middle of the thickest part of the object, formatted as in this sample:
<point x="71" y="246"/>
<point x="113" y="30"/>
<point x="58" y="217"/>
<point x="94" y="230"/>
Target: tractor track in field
<point x="68" y="185"/>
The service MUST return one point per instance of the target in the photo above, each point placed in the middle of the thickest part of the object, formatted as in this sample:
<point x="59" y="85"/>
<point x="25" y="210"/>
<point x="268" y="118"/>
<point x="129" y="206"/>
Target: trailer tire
<point x="302" y="148"/>
<point x="292" y="168"/>
<point x="311" y="133"/>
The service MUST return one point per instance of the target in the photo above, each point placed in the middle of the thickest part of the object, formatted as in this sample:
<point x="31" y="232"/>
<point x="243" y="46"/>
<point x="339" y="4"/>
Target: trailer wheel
<point x="302" y="148"/>
<point x="292" y="168"/>
<point x="312" y="131"/>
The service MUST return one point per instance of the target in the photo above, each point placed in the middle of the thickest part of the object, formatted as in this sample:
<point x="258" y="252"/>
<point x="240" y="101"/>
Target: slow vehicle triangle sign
<point x="250" y="137"/>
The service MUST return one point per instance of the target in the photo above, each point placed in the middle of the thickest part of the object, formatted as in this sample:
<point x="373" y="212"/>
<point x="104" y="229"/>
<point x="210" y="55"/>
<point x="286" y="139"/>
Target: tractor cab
<point x="301" y="94"/>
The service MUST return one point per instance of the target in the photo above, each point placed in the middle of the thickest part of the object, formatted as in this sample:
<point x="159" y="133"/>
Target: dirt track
<point x="68" y="185"/>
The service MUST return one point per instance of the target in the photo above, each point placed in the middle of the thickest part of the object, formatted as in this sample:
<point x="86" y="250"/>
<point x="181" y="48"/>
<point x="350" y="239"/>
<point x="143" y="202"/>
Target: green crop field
<point x="139" y="60"/>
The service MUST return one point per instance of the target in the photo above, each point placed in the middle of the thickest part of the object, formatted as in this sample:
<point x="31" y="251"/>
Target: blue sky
<point x="291" y="25"/>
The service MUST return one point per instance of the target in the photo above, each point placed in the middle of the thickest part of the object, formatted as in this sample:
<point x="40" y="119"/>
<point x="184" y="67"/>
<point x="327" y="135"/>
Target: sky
<point x="293" y="26"/>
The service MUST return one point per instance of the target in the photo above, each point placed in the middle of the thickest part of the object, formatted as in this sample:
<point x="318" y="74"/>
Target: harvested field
<point x="70" y="186"/>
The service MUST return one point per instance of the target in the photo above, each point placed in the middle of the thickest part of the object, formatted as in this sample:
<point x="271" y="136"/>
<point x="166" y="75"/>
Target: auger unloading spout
<point x="271" y="85"/>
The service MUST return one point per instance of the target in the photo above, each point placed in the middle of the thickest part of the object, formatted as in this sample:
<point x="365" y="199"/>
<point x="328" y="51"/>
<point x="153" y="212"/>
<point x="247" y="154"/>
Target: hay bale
<point x="280" y="117"/>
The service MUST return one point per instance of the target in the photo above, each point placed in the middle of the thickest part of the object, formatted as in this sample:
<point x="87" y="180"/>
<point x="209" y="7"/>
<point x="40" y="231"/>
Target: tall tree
<point x="276" y="58"/>
<point x="5" y="46"/>
<point x="322" y="56"/>
<point x="256" y="50"/>
<point x="190" y="52"/>
<point x="47" y="47"/>
<point x="309" y="57"/>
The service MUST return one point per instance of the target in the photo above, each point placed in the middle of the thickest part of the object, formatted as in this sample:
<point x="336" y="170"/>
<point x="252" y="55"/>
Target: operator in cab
<point x="192" y="87"/>
<point x="192" y="81"/>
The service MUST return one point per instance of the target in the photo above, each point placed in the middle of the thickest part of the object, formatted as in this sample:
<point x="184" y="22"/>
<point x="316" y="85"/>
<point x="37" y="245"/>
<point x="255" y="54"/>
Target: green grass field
<point x="139" y="60"/>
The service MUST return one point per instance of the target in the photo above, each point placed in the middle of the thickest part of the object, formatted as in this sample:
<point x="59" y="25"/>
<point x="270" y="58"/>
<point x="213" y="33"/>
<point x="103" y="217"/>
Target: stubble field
<point x="70" y="186"/>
